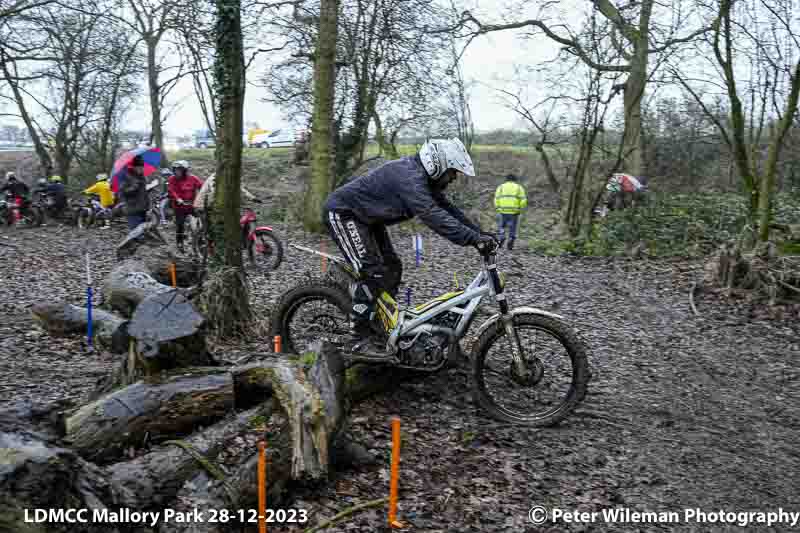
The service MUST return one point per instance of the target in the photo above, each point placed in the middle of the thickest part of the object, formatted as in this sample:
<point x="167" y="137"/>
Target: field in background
<point x="673" y="224"/>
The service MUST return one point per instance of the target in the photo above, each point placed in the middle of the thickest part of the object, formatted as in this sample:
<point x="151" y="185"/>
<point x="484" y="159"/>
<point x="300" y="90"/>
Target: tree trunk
<point x="36" y="473"/>
<point x="109" y="330"/>
<point x="322" y="134"/>
<point x="149" y="411"/>
<point x="776" y="144"/>
<point x="155" y="478"/>
<point x="548" y="169"/>
<point x="227" y="305"/>
<point x="157" y="134"/>
<point x="45" y="162"/>
<point x="299" y="448"/>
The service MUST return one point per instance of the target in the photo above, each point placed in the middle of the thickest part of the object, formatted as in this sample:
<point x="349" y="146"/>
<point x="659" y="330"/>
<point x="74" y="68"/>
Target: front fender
<point x="517" y="311"/>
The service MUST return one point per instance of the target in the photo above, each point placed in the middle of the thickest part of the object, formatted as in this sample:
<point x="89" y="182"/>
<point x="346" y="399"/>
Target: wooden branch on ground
<point x="109" y="330"/>
<point x="691" y="298"/>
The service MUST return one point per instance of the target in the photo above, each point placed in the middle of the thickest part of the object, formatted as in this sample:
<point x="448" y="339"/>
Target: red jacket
<point x="185" y="188"/>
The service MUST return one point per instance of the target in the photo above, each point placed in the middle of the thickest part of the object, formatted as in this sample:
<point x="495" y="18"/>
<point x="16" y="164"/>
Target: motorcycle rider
<point x="357" y="214"/>
<point x="55" y="190"/>
<point x="102" y="189"/>
<point x="182" y="189"/>
<point x="18" y="189"/>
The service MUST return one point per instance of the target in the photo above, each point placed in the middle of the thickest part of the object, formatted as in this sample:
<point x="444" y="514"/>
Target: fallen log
<point x="128" y="284"/>
<point x="299" y="440"/>
<point x="154" y="479"/>
<point x="165" y="333"/>
<point x="154" y="410"/>
<point x="109" y="330"/>
<point x="169" y="333"/>
<point x="159" y="261"/>
<point x="35" y="473"/>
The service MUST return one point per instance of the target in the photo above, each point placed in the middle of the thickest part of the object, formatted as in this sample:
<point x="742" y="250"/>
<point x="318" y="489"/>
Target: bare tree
<point x="635" y="30"/>
<point x="60" y="92"/>
<point x="384" y="47"/>
<point x="762" y="36"/>
<point x="322" y="134"/>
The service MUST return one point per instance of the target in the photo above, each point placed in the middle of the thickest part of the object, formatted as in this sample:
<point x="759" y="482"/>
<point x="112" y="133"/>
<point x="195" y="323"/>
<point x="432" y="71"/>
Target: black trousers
<point x="180" y="224"/>
<point x="369" y="251"/>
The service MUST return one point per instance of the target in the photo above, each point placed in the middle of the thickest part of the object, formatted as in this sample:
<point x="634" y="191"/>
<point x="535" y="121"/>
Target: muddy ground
<point x="682" y="412"/>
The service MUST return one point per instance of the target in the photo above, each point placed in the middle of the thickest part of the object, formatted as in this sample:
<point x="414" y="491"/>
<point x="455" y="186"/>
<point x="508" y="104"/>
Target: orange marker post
<point x="262" y="487"/>
<point x="173" y="274"/>
<point x="393" y="522"/>
<point x="277" y="342"/>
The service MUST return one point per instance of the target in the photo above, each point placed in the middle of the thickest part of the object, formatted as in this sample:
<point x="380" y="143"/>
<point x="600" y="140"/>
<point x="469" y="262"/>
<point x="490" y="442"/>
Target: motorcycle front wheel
<point x="556" y="378"/>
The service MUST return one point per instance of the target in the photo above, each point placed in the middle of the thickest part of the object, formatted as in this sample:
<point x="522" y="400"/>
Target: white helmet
<point x="180" y="164"/>
<point x="438" y="155"/>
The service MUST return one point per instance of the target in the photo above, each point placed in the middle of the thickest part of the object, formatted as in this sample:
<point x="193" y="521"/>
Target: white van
<point x="274" y="139"/>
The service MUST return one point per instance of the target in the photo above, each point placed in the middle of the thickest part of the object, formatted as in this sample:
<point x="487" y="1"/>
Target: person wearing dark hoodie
<point x="134" y="193"/>
<point x="358" y="213"/>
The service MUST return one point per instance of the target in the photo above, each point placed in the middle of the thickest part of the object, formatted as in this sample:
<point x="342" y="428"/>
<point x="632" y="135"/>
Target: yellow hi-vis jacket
<point x="510" y="198"/>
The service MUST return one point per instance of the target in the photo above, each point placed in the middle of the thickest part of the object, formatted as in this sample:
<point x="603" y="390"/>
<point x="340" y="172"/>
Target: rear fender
<point x="252" y="235"/>
<point x="517" y="311"/>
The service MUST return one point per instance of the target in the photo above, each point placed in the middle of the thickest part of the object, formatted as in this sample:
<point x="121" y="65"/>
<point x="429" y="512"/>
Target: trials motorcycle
<point x="528" y="366"/>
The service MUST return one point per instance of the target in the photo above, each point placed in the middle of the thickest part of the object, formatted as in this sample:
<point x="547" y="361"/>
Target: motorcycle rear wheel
<point x="300" y="325"/>
<point x="265" y="250"/>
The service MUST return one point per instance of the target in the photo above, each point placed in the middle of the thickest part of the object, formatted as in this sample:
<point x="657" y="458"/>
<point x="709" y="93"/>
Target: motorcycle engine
<point x="427" y="351"/>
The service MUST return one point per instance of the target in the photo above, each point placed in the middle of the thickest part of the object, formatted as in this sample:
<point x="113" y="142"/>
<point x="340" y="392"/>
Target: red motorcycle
<point x="19" y="211"/>
<point x="260" y="245"/>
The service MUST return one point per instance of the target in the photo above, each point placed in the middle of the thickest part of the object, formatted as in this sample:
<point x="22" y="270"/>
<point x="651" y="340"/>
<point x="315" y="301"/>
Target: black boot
<point x="510" y="244"/>
<point x="364" y="342"/>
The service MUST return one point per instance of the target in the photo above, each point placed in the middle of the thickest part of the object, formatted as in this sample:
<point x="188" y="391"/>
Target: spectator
<point x="134" y="193"/>
<point x="509" y="201"/>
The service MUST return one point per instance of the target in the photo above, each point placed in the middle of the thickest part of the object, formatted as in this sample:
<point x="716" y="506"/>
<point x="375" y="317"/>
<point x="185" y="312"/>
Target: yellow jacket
<point x="102" y="189"/>
<point x="510" y="198"/>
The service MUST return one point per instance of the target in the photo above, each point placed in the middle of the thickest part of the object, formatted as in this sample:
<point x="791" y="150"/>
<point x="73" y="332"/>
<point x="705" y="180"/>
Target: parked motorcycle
<point x="260" y="245"/>
<point x="47" y="204"/>
<point x="26" y="214"/>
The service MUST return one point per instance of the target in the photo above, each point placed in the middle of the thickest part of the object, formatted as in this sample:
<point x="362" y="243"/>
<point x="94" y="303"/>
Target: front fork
<point x="508" y="323"/>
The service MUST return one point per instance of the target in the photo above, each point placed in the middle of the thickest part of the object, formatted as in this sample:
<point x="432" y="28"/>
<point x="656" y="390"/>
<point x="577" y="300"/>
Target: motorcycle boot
<point x="365" y="341"/>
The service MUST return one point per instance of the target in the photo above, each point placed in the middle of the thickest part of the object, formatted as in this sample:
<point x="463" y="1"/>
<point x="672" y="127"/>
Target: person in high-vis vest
<point x="509" y="201"/>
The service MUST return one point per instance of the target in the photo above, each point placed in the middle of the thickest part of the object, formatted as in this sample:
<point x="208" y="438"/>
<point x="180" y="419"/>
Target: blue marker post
<point x="88" y="302"/>
<point x="418" y="248"/>
<point x="408" y="296"/>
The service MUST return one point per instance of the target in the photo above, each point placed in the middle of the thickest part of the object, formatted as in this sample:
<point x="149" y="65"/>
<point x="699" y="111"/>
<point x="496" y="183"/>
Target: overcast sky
<point x="486" y="62"/>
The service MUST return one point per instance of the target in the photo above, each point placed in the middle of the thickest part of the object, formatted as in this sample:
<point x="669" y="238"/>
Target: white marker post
<point x="88" y="302"/>
<point x="417" y="240"/>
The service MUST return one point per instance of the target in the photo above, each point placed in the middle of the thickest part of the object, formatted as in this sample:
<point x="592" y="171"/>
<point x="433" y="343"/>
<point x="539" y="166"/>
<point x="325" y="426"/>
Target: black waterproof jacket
<point x="134" y="194"/>
<point x="57" y="191"/>
<point x="16" y="188"/>
<point x="398" y="191"/>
